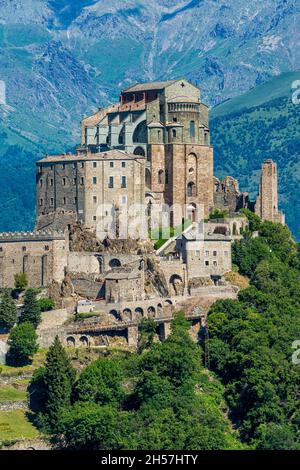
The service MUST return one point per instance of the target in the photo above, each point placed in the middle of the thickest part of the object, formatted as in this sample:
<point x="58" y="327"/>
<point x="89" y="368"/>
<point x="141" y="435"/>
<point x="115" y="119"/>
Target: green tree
<point x="46" y="304"/>
<point x="253" y="219"/>
<point x="21" y="281"/>
<point x="8" y="311"/>
<point x="58" y="380"/>
<point x="101" y="382"/>
<point x="32" y="311"/>
<point x="22" y="344"/>
<point x="147" y="330"/>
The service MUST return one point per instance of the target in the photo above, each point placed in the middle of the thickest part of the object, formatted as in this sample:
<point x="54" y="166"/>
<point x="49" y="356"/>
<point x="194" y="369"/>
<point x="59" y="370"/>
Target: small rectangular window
<point x="41" y="202"/>
<point x="64" y="200"/>
<point x="124" y="182"/>
<point x="95" y="199"/>
<point x="75" y="200"/>
<point x="206" y="263"/>
<point x="94" y="164"/>
<point x="111" y="182"/>
<point x="215" y="253"/>
<point x="206" y="253"/>
<point x="74" y="181"/>
<point x="52" y="201"/>
<point x="124" y="199"/>
<point x="51" y="182"/>
<point x="226" y="253"/>
<point x="215" y="263"/>
<point x="24" y="248"/>
<point x="64" y="181"/>
<point x="123" y="164"/>
<point x="82" y="181"/>
<point x="94" y="180"/>
<point x="111" y="164"/>
<point x="46" y="248"/>
<point x="41" y="183"/>
<point x="94" y="218"/>
<point x="198" y="253"/>
<point x="82" y="164"/>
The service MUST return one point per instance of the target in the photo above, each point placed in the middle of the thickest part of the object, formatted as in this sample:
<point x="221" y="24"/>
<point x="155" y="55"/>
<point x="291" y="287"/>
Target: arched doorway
<point x="139" y="151"/>
<point x="71" y="341"/>
<point x="84" y="342"/>
<point x="140" y="133"/>
<point x="151" y="312"/>
<point x="176" y="284"/>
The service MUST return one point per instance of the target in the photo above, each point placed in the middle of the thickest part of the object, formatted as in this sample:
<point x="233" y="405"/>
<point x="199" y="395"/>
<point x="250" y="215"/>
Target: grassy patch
<point x="38" y="360"/>
<point x="15" y="425"/>
<point x="10" y="393"/>
<point x="163" y="234"/>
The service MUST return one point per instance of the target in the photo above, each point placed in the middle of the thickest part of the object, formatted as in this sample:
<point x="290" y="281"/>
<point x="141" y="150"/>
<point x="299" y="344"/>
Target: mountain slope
<point x="61" y="59"/>
<point x="264" y="123"/>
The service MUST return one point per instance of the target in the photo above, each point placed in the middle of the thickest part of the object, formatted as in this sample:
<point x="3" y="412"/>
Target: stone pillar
<point x="132" y="336"/>
<point x="165" y="330"/>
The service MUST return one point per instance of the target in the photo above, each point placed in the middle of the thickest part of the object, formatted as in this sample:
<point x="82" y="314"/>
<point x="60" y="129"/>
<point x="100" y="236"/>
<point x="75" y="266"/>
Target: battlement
<point x="42" y="235"/>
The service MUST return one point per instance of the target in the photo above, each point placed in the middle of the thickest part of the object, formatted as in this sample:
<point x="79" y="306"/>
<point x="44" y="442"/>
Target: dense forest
<point x="163" y="397"/>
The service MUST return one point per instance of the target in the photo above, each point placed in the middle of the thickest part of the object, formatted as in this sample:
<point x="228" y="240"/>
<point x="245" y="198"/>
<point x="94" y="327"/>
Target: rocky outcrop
<point x="155" y="280"/>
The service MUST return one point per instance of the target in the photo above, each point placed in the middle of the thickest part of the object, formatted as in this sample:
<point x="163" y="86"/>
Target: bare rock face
<point x="155" y="280"/>
<point x="200" y="282"/>
<point x="129" y="245"/>
<point x="84" y="240"/>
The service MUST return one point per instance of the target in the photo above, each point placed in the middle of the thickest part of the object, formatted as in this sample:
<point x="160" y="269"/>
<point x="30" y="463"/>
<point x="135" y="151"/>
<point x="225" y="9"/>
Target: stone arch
<point x="127" y="314"/>
<point x="84" y="341"/>
<point x="139" y="312"/>
<point x="160" y="177"/>
<point x="71" y="342"/>
<point x="115" y="314"/>
<point x="115" y="263"/>
<point x="140" y="133"/>
<point x="139" y="151"/>
<point x="191" y="212"/>
<point x="121" y="139"/>
<point x="100" y="260"/>
<point x="159" y="308"/>
<point x="191" y="189"/>
<point x="168" y="302"/>
<point x="151" y="311"/>
<point x="176" y="284"/>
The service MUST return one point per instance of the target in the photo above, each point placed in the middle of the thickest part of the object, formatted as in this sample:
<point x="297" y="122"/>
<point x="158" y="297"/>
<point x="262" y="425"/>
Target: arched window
<point x="192" y="129"/>
<point x="191" y="189"/>
<point x="160" y="177"/>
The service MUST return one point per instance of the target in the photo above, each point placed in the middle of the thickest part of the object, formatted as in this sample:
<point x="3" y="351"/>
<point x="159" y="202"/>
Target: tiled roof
<point x="108" y="155"/>
<point x="149" y="86"/>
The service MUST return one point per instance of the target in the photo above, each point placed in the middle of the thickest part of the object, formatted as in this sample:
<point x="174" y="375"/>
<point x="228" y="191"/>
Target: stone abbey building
<point x="153" y="148"/>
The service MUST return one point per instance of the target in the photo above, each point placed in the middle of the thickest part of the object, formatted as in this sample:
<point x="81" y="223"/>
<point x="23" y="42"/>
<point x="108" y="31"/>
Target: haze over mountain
<point x="60" y="59"/>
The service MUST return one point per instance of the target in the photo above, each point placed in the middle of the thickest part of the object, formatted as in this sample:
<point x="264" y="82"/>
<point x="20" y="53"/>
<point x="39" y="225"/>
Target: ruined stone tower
<point x="266" y="206"/>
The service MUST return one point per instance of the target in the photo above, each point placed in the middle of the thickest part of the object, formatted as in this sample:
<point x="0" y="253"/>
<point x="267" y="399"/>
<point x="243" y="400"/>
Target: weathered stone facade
<point x="83" y="183"/>
<point x="266" y="206"/>
<point x="167" y="123"/>
<point x="41" y="255"/>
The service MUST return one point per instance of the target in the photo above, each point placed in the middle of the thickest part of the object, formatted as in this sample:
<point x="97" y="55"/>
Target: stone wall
<point x="41" y="255"/>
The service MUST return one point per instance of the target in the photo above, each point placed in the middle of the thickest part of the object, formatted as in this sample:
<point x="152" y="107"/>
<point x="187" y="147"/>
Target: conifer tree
<point x="32" y="309"/>
<point x="23" y="344"/>
<point x="8" y="311"/>
<point x="58" y="379"/>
